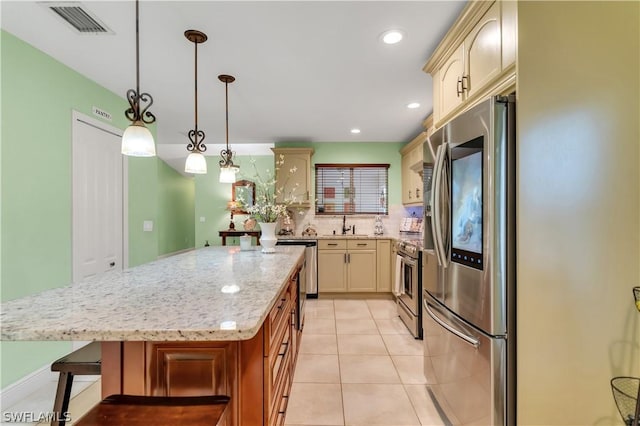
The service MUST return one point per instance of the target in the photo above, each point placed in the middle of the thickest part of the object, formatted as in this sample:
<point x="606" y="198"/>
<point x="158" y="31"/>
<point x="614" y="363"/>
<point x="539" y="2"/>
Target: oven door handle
<point x="469" y="339"/>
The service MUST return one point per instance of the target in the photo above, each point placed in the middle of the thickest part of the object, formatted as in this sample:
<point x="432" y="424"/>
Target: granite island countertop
<point x="213" y="293"/>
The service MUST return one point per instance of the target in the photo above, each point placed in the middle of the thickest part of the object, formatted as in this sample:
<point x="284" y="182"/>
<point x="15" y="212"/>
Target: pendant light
<point x="228" y="170"/>
<point x="137" y="140"/>
<point x="196" y="163"/>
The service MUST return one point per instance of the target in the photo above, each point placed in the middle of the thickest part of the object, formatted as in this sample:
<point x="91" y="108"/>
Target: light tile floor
<point x="358" y="365"/>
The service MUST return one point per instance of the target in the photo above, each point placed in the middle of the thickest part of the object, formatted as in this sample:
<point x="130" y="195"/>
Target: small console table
<point x="234" y="233"/>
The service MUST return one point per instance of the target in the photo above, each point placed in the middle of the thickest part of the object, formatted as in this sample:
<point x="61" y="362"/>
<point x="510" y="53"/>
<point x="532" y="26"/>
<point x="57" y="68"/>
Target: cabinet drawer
<point x="278" y="377"/>
<point x="332" y="244"/>
<point x="278" y="320"/>
<point x="361" y="244"/>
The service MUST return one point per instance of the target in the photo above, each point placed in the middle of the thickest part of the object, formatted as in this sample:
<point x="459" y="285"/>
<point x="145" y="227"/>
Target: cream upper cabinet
<point x="476" y="58"/>
<point x="411" y="163"/>
<point x="482" y="52"/>
<point x="509" y="32"/>
<point x="449" y="77"/>
<point x="293" y="176"/>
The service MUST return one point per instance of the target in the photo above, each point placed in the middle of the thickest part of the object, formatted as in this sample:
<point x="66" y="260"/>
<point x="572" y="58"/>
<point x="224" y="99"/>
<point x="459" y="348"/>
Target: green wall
<point x="37" y="99"/>
<point x="176" y="210"/>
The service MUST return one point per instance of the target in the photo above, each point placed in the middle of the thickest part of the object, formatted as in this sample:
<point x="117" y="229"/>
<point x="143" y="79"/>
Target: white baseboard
<point x="19" y="390"/>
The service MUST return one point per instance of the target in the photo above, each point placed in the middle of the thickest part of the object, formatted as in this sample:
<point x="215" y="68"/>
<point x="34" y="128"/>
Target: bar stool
<point x="131" y="410"/>
<point x="84" y="361"/>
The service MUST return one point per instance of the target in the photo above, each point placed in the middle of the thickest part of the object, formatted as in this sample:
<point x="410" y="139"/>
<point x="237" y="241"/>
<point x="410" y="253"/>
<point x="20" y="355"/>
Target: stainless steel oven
<point x="410" y="297"/>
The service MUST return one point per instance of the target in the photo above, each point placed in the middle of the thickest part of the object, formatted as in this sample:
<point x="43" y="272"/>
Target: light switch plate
<point x="202" y="219"/>
<point x="147" y="226"/>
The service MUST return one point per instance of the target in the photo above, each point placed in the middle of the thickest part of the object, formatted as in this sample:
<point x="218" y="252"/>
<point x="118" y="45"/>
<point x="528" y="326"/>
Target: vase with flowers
<point x="265" y="210"/>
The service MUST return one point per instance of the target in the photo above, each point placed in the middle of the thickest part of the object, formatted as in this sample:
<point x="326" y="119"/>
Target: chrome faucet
<point x="345" y="229"/>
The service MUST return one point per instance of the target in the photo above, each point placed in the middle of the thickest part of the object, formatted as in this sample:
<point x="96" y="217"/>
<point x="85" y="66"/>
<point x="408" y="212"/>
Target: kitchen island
<point x="211" y="321"/>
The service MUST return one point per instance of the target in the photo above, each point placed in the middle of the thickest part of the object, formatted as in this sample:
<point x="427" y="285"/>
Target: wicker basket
<point x="625" y="393"/>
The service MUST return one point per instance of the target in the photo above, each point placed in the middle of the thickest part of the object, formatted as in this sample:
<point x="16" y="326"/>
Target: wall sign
<point x="101" y="113"/>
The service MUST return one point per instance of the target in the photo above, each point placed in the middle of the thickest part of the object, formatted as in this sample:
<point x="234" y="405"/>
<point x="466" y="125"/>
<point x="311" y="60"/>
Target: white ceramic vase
<point x="268" y="238"/>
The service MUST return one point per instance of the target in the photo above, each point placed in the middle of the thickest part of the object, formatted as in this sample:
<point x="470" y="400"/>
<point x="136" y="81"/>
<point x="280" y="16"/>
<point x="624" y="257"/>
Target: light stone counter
<point x="214" y="293"/>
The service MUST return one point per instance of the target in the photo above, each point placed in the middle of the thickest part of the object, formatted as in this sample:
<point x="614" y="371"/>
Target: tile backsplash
<point x="364" y="224"/>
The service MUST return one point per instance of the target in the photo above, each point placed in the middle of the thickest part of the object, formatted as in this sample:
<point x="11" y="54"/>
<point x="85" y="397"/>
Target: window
<point x="352" y="189"/>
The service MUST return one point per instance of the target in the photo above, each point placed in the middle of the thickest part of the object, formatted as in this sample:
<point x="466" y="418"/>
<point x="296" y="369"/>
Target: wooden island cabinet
<point x="257" y="373"/>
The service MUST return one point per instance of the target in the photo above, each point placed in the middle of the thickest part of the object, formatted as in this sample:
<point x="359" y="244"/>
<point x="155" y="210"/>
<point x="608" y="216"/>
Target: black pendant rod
<point x="196" y="136"/>
<point x="135" y="98"/>
<point x="137" y="48"/>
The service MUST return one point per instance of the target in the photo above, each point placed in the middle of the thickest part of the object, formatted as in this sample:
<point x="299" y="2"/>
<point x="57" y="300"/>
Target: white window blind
<point x="352" y="189"/>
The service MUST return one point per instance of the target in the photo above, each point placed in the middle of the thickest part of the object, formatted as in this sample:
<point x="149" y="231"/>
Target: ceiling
<point x="305" y="70"/>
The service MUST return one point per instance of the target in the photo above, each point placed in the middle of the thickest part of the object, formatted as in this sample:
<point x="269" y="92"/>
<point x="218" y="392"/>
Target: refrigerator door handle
<point x="436" y="199"/>
<point x="469" y="339"/>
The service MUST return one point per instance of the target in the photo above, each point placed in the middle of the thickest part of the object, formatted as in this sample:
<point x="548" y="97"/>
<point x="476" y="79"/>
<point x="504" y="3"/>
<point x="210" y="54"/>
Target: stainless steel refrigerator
<point x="469" y="305"/>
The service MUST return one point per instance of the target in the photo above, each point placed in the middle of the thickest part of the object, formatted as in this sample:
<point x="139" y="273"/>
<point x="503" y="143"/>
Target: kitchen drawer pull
<point x="362" y="244"/>
<point x="283" y="300"/>
<point x="332" y="244"/>
<point x="465" y="86"/>
<point x="459" y="87"/>
<point x="417" y="192"/>
<point x="286" y="346"/>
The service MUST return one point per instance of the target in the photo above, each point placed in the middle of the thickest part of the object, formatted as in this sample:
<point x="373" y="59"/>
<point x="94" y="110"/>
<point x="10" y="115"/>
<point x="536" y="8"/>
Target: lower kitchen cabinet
<point x="361" y="270"/>
<point x="384" y="265"/>
<point x="347" y="266"/>
<point x="332" y="271"/>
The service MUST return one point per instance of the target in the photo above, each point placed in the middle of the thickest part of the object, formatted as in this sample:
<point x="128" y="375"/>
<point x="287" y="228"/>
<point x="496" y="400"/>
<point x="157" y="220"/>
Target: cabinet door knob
<point x="112" y="264"/>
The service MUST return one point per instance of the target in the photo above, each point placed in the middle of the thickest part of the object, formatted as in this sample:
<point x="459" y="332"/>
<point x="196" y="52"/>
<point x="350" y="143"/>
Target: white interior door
<point x="97" y="198"/>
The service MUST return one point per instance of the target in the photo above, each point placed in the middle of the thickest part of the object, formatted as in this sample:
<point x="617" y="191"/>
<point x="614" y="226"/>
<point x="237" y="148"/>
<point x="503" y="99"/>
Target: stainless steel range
<point x="409" y="299"/>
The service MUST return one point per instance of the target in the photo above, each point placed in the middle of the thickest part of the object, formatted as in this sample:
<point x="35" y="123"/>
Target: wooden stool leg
<point x="63" y="394"/>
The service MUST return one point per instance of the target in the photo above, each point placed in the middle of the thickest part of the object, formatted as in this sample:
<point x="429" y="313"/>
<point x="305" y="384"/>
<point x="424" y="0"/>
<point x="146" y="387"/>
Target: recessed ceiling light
<point x="392" y="36"/>
<point x="413" y="105"/>
<point x="355" y="131"/>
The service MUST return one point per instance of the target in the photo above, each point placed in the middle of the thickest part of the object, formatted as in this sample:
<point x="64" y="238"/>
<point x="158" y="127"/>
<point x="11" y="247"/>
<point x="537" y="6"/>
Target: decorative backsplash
<point x="364" y="224"/>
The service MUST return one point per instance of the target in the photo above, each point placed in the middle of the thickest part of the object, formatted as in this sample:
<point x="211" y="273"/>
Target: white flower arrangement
<point x="265" y="208"/>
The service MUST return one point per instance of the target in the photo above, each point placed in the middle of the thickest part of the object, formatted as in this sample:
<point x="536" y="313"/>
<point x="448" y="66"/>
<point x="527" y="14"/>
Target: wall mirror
<point x="243" y="193"/>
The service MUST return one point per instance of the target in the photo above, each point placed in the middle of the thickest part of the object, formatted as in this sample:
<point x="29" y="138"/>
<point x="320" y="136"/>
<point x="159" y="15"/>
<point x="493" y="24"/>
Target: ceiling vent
<point x="78" y="17"/>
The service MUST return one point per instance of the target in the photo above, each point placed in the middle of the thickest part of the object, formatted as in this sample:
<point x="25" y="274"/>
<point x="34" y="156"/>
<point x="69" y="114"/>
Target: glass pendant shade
<point x="227" y="174"/>
<point x="137" y="141"/>
<point x="196" y="163"/>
